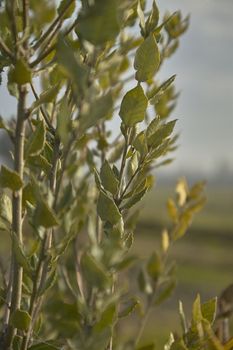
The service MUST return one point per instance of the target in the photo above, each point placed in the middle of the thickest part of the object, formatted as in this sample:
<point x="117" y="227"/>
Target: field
<point x="204" y="256"/>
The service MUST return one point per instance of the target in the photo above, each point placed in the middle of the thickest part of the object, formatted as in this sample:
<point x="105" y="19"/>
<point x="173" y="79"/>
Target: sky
<point x="204" y="68"/>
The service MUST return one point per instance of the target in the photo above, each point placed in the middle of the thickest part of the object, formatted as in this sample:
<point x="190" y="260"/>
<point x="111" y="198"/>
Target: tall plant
<point x="68" y="203"/>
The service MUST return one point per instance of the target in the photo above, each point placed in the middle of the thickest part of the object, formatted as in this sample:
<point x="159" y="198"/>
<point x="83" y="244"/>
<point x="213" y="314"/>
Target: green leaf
<point x="197" y="312"/>
<point x="21" y="73"/>
<point x="156" y="92"/>
<point x="21" y="320"/>
<point x="46" y="96"/>
<point x="172" y="210"/>
<point x="153" y="19"/>
<point x="71" y="65"/>
<point x="44" y="216"/>
<point x="10" y="179"/>
<point x="141" y="17"/>
<point x="108" y="178"/>
<point x="135" y="199"/>
<point x="17" y="341"/>
<point x="165" y="293"/>
<point x="144" y="283"/>
<point x="99" y="23"/>
<point x="208" y="310"/>
<point x="107" y="318"/>
<point x="154" y="266"/>
<point x="128" y="307"/>
<point x="94" y="272"/>
<point x="140" y="144"/>
<point x="29" y="194"/>
<point x="69" y="9"/>
<point x="98" y="109"/>
<point x="133" y="106"/>
<point x="153" y="127"/>
<point x="5" y="210"/>
<point x="36" y="142"/>
<point x="182" y="317"/>
<point x="49" y="282"/>
<point x="147" y="59"/>
<point x="64" y="121"/>
<point x="19" y="254"/>
<point x="107" y="209"/>
<point x="161" y="134"/>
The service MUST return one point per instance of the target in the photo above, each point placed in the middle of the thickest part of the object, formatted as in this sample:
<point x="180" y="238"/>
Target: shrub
<point x="68" y="204"/>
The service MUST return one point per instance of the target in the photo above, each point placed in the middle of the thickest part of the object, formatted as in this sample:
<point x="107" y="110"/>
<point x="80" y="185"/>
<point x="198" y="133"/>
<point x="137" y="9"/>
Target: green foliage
<point x="147" y="59"/>
<point x="20" y="319"/>
<point x="133" y="106"/>
<point x="78" y="176"/>
<point x="10" y="179"/>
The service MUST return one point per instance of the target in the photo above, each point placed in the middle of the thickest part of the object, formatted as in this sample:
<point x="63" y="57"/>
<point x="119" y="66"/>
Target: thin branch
<point x="17" y="221"/>
<point x="5" y="49"/>
<point x="25" y="15"/>
<point x="52" y="47"/>
<point x="12" y="10"/>
<point x="53" y="25"/>
<point x="8" y="298"/>
<point x="62" y="172"/>
<point x="43" y="55"/>
<point x="46" y="118"/>
<point x="123" y="163"/>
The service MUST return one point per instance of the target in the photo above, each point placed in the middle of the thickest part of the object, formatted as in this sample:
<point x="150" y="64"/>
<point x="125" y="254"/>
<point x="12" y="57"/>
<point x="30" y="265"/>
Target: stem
<point x="59" y="181"/>
<point x="52" y="26"/>
<point x="25" y="14"/>
<point x="17" y="196"/>
<point x="42" y="267"/>
<point x="46" y="118"/>
<point x="34" y="296"/>
<point x="5" y="49"/>
<point x="8" y="299"/>
<point x="17" y="209"/>
<point x="123" y="162"/>
<point x="51" y="47"/>
<point x="144" y="319"/>
<point x="11" y="8"/>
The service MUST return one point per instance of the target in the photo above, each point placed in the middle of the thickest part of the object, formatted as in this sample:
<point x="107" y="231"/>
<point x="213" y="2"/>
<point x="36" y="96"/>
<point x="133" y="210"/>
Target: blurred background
<point x="204" y="68"/>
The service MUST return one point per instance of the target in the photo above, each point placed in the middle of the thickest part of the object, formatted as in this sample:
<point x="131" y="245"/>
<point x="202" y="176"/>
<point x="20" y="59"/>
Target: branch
<point x="5" y="49"/>
<point x="52" y="47"/>
<point x="17" y="221"/>
<point x="43" y="55"/>
<point x="51" y="128"/>
<point x="53" y="25"/>
<point x="123" y="163"/>
<point x="25" y="15"/>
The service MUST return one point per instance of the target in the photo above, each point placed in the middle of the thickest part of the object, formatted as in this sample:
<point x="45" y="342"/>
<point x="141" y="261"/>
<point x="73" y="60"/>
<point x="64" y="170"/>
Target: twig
<point x="123" y="162"/>
<point x="25" y="15"/>
<point x="52" y="47"/>
<point x="5" y="49"/>
<point x="17" y="210"/>
<point x="42" y="56"/>
<point x="59" y="181"/>
<point x="42" y="111"/>
<point x="52" y="26"/>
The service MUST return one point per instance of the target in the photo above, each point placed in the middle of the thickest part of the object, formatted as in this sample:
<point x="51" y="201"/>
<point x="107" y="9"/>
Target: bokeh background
<point x="204" y="68"/>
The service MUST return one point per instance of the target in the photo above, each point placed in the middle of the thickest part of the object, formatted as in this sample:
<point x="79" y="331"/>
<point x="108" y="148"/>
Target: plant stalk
<point x="17" y="220"/>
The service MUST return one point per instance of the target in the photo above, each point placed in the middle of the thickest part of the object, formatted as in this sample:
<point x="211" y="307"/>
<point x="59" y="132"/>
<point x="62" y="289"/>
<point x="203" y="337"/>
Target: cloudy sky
<point x="204" y="68"/>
